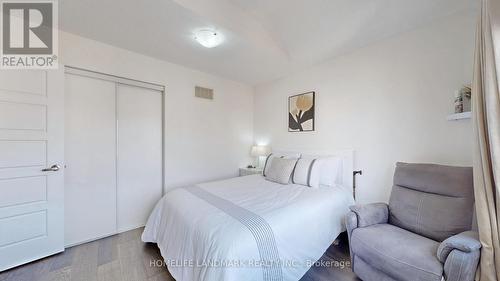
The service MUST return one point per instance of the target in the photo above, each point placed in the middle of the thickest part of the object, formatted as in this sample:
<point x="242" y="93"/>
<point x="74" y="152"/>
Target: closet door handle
<point x="53" y="168"/>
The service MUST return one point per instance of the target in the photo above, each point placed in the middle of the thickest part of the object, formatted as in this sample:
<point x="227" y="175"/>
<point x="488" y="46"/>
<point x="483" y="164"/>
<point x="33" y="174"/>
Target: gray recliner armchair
<point x="423" y="234"/>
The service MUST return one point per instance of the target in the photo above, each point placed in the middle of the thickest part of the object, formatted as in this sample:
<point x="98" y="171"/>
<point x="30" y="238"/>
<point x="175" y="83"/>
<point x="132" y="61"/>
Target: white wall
<point x="204" y="140"/>
<point x="388" y="102"/>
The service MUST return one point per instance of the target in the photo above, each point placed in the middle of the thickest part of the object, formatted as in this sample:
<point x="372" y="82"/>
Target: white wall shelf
<point x="459" y="116"/>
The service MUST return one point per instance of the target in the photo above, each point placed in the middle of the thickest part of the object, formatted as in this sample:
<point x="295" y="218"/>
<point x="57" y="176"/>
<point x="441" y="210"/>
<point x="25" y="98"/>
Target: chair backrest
<point x="434" y="201"/>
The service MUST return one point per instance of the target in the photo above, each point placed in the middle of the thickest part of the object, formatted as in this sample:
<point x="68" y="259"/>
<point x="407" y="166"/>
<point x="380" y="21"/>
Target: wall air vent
<point x="204" y="93"/>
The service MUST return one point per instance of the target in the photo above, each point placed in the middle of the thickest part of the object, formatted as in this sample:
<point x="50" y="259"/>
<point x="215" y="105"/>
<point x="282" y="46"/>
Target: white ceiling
<point x="264" y="39"/>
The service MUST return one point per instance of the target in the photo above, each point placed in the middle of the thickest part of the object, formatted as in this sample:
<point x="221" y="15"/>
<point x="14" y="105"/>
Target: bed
<point x="248" y="228"/>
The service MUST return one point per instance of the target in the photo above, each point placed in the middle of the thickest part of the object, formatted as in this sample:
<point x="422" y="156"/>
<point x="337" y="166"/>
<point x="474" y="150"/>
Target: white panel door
<point x="90" y="154"/>
<point x="31" y="140"/>
<point x="139" y="154"/>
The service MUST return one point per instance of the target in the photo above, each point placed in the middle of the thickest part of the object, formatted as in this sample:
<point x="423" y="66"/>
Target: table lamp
<point x="259" y="152"/>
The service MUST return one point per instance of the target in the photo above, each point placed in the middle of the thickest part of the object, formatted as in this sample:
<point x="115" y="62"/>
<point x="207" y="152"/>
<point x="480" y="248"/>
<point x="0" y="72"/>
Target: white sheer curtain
<point x="486" y="124"/>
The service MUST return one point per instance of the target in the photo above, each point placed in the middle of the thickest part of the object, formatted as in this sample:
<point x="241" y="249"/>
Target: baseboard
<point x="89" y="240"/>
<point x="103" y="236"/>
<point x="130" y="228"/>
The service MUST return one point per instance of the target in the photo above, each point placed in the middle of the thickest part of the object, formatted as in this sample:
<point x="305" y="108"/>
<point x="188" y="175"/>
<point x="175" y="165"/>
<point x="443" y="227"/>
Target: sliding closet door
<point x="139" y="154"/>
<point x="90" y="152"/>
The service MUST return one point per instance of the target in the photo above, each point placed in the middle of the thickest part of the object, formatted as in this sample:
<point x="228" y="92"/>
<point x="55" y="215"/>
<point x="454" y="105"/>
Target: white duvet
<point x="201" y="242"/>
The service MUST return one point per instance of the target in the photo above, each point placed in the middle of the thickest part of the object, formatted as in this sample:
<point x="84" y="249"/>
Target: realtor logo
<point x="29" y="34"/>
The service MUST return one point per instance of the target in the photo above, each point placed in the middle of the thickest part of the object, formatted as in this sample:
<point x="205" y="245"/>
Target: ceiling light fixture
<point x="208" y="38"/>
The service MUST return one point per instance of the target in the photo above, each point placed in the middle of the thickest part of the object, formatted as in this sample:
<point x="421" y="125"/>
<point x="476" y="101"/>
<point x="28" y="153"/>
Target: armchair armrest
<point x="370" y="214"/>
<point x="460" y="255"/>
<point x="365" y="215"/>
<point x="467" y="241"/>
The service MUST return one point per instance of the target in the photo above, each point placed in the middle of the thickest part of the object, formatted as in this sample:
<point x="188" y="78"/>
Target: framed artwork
<point x="301" y="112"/>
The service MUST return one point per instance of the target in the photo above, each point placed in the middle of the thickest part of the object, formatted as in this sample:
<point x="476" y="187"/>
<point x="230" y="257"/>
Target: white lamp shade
<point x="260" y="150"/>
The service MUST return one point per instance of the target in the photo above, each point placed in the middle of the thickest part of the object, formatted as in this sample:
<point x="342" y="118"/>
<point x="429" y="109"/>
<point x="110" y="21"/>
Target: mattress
<point x="246" y="228"/>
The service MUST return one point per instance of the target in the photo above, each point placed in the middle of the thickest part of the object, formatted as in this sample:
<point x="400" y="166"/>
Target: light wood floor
<point x="336" y="253"/>
<point x="124" y="257"/>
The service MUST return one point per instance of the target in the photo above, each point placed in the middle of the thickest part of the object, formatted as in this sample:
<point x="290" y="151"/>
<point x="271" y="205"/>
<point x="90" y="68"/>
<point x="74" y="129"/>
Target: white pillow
<point x="307" y="172"/>
<point x="330" y="171"/>
<point x="271" y="156"/>
<point x="280" y="170"/>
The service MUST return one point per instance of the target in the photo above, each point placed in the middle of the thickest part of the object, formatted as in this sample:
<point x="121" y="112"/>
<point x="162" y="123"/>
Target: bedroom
<point x="128" y="128"/>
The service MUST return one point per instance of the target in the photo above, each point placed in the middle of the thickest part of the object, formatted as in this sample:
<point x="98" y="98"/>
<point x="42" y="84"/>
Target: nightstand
<point x="250" y="171"/>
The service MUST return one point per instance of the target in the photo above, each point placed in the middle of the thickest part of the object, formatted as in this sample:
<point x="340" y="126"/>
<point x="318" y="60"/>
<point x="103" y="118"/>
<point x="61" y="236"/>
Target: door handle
<point x="53" y="168"/>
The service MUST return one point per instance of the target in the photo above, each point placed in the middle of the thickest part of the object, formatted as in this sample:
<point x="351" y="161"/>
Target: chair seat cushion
<point x="401" y="254"/>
